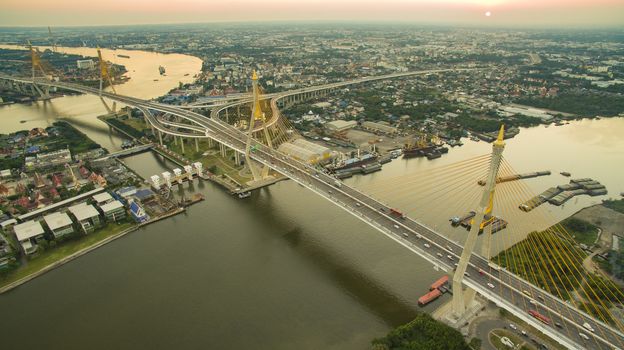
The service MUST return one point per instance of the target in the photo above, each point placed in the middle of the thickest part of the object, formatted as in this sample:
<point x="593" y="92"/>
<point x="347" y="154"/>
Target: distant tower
<point x="485" y="208"/>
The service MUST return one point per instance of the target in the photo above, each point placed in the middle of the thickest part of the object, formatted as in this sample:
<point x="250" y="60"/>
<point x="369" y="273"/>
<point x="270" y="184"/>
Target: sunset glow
<point x="470" y="12"/>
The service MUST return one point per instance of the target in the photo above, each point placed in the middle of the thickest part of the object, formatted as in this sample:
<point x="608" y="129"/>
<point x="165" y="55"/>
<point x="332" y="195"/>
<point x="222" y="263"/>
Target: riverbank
<point x="62" y="254"/>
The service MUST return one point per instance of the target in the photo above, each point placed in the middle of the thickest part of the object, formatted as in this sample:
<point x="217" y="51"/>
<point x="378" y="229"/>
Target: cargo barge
<point x="435" y="291"/>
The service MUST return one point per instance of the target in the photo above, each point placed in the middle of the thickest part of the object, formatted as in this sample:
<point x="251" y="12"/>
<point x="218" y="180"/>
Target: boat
<point x="418" y="149"/>
<point x="565" y="173"/>
<point x="353" y="162"/>
<point x="161" y="70"/>
<point x="123" y="56"/>
<point x="242" y="195"/>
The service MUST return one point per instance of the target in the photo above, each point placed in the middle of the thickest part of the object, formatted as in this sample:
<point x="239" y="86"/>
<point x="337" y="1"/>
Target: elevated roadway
<point x="510" y="291"/>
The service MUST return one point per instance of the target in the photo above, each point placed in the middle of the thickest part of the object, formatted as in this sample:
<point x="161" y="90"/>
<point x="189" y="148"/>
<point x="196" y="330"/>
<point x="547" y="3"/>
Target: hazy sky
<point x="526" y="13"/>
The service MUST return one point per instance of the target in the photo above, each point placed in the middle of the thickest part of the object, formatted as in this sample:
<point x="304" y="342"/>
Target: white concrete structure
<point x="189" y="172"/>
<point x="199" y="167"/>
<point x="167" y="177"/>
<point x="155" y="181"/>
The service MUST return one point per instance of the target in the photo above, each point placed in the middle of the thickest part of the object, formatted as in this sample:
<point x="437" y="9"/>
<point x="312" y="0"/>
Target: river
<point x="283" y="269"/>
<point x="81" y="110"/>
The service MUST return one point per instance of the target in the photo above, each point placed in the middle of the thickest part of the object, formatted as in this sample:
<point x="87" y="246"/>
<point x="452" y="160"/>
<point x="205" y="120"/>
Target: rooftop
<point x="102" y="197"/>
<point x="57" y="220"/>
<point x="114" y="205"/>
<point x="28" y="230"/>
<point x="83" y="211"/>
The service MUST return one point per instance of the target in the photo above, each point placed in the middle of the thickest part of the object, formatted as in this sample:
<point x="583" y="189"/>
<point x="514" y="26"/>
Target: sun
<point x="488" y="14"/>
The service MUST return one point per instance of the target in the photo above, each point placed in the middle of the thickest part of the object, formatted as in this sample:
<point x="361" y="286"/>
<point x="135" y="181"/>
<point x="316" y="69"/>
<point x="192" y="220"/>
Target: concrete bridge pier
<point x="210" y="143"/>
<point x="196" y="145"/>
<point x="160" y="137"/>
<point x="182" y="144"/>
<point x="237" y="158"/>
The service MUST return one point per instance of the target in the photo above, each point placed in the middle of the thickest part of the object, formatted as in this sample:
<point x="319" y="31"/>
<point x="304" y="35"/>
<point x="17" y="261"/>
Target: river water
<point x="283" y="269"/>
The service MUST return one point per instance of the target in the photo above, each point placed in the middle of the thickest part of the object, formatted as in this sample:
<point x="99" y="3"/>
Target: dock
<point x="516" y="177"/>
<point x="562" y="193"/>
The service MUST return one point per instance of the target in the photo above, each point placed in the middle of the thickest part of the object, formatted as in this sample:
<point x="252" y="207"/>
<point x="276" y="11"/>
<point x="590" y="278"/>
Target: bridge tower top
<point x="35" y="61"/>
<point x="104" y="71"/>
<point x="257" y="110"/>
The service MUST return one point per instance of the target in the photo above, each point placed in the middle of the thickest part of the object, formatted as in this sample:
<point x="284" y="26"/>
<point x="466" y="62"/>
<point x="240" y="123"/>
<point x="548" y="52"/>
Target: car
<point x="427" y="245"/>
<point x="584" y="336"/>
<point x="481" y="272"/>
<point x="418" y="235"/>
<point x="330" y="192"/>
<point x="439" y="255"/>
<point x="381" y="209"/>
<point x="526" y="292"/>
<point x="490" y="285"/>
<point x="396" y="226"/>
<point x="588" y="327"/>
<point x="450" y="257"/>
<point x="405" y="234"/>
<point x="456" y="264"/>
<point x="540" y="297"/>
<point x="558" y="325"/>
<point x="317" y="176"/>
<point x="524" y="333"/>
<point x="357" y="204"/>
<point x="533" y="302"/>
<point x="513" y="326"/>
<point x="449" y="248"/>
<point x="466" y="274"/>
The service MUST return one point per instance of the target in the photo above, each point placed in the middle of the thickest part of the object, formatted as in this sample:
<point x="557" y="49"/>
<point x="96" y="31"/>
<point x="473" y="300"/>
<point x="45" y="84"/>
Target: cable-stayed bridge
<point x="513" y="293"/>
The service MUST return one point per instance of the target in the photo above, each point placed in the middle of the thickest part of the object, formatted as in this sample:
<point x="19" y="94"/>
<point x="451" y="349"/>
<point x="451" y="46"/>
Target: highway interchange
<point x="510" y="292"/>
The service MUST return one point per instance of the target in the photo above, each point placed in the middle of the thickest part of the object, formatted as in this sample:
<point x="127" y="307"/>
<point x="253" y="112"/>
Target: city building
<point x="378" y="127"/>
<point x="340" y="125"/>
<point x="29" y="234"/>
<point x="59" y="224"/>
<point x="86" y="216"/>
<point x="113" y="211"/>
<point x="299" y="153"/>
<point x="85" y="64"/>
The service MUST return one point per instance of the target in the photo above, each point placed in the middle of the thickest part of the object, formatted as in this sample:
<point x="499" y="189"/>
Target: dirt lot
<point x="361" y="138"/>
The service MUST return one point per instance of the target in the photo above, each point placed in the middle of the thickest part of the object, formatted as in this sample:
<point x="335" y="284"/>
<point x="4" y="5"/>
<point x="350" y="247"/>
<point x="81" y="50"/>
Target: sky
<point x="495" y="13"/>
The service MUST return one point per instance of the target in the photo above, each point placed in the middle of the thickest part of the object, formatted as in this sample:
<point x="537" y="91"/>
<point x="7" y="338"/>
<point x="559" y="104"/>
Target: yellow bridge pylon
<point x="106" y="76"/>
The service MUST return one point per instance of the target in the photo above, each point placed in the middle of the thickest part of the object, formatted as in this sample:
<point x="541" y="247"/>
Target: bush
<point x="422" y="333"/>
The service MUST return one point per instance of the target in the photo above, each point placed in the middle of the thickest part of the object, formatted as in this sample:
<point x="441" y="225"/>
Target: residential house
<point x="113" y="211"/>
<point x="29" y="234"/>
<point x="59" y="224"/>
<point x="86" y="216"/>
